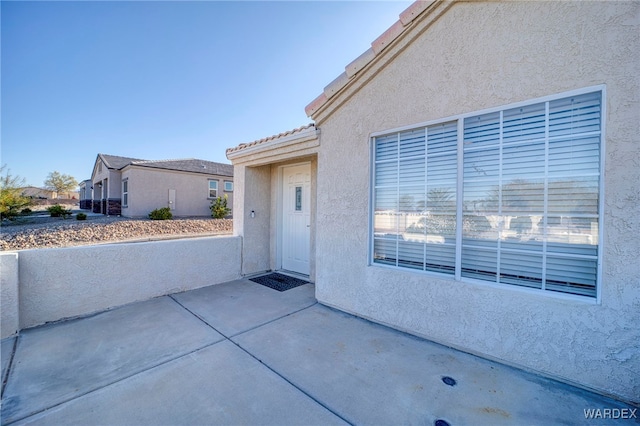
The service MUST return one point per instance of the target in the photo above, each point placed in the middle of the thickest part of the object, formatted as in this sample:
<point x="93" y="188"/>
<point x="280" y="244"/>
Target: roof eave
<point x="303" y="136"/>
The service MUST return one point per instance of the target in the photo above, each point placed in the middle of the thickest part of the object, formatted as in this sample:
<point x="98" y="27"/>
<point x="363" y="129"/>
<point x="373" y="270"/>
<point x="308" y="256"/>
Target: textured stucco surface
<point x="114" y="184"/>
<point x="253" y="193"/>
<point x="258" y="189"/>
<point x="476" y="56"/>
<point x="149" y="190"/>
<point x="67" y="282"/>
<point x="258" y="181"/>
<point x="9" y="324"/>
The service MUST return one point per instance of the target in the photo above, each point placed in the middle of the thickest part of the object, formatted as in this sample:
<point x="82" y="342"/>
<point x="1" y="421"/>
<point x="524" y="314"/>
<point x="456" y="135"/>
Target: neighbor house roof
<point x="188" y="165"/>
<point x="116" y="162"/>
<point x="192" y="165"/>
<point x="275" y="138"/>
<point x="378" y="46"/>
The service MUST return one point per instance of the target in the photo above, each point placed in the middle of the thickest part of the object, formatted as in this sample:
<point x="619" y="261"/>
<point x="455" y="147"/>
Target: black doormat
<point x="279" y="282"/>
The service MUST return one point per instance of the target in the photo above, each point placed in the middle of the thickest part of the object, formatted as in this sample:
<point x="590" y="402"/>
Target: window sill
<point x="545" y="294"/>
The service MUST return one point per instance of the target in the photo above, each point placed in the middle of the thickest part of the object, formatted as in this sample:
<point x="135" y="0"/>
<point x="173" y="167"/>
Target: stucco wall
<point x="114" y="183"/>
<point x="99" y="174"/>
<point x="254" y="195"/>
<point x="149" y="190"/>
<point x="61" y="283"/>
<point x="9" y="294"/>
<point x="476" y="56"/>
<point x="258" y="188"/>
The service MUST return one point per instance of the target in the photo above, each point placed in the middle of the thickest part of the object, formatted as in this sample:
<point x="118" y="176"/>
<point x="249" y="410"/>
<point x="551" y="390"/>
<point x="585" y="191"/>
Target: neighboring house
<point x="39" y="193"/>
<point x="133" y="188"/>
<point x="472" y="179"/>
<point x="86" y="194"/>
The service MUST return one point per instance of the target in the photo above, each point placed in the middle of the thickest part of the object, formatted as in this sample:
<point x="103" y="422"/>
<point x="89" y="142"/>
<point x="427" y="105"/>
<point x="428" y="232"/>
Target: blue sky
<point x="161" y="80"/>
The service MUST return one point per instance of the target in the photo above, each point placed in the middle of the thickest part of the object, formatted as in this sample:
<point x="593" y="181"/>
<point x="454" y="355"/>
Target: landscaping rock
<point x="66" y="233"/>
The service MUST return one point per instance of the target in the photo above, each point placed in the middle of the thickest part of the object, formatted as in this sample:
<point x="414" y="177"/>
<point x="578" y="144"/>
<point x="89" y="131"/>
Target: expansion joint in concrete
<point x="230" y="339"/>
<point x="5" y="379"/>
<point x="90" y="391"/>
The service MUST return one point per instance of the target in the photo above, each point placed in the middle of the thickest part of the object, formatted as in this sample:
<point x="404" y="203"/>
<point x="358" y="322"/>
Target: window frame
<point x="125" y="192"/>
<point x="460" y="119"/>
<point x="217" y="188"/>
<point x="225" y="185"/>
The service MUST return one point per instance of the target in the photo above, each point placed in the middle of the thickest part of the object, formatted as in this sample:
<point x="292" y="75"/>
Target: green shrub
<point x="161" y="214"/>
<point x="81" y="216"/>
<point x="219" y="208"/>
<point x="26" y="211"/>
<point x="11" y="199"/>
<point x="58" y="211"/>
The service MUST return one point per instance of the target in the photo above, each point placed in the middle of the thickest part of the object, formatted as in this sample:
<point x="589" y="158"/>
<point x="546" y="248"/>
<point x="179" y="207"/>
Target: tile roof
<point x="115" y="161"/>
<point x="192" y="165"/>
<point x="377" y="47"/>
<point x="297" y="131"/>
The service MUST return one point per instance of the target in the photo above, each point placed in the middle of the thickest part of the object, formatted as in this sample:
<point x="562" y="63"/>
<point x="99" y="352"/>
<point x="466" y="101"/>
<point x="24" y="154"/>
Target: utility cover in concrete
<point x="370" y="374"/>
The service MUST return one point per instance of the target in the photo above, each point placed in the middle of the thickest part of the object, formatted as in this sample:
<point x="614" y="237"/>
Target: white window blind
<point x="415" y="199"/>
<point x="530" y="199"/>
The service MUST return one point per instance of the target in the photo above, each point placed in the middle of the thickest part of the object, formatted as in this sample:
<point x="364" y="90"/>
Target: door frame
<point x="280" y="212"/>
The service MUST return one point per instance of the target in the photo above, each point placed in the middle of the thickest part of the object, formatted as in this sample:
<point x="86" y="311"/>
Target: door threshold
<point x="293" y="274"/>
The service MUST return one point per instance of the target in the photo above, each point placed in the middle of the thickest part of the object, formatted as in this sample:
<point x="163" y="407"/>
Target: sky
<point x="166" y="79"/>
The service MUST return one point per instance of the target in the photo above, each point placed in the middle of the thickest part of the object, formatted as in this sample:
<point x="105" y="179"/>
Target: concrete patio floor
<point x="242" y="353"/>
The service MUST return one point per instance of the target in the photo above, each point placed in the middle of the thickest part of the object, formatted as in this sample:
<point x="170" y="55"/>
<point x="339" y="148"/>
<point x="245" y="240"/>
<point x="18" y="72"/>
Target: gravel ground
<point x="43" y="232"/>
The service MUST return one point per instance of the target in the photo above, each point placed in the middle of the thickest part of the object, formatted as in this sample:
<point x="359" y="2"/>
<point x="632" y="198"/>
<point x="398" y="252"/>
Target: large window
<point x="510" y="196"/>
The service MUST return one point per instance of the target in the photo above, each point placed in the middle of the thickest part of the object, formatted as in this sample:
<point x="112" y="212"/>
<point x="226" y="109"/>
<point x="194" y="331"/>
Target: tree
<point x="60" y="183"/>
<point x="11" y="199"/>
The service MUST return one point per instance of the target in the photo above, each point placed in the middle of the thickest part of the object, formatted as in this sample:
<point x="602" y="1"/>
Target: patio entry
<point x="296" y="218"/>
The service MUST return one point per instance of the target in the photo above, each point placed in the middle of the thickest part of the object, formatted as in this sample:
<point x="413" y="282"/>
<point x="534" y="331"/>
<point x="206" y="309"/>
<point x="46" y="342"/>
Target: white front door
<point x="296" y="218"/>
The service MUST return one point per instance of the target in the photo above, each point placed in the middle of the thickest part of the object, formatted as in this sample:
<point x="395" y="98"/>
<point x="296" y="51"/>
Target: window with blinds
<point x="528" y="213"/>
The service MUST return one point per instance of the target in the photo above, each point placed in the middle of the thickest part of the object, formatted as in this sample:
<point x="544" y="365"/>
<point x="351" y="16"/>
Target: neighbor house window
<point x="510" y="196"/>
<point x="125" y="193"/>
<point x="213" y="188"/>
<point x="228" y="186"/>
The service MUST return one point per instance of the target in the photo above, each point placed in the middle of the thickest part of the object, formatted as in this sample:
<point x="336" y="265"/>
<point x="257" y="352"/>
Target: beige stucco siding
<point x="477" y="56"/>
<point x="255" y="198"/>
<point x="114" y="184"/>
<point x="259" y="191"/>
<point x="149" y="190"/>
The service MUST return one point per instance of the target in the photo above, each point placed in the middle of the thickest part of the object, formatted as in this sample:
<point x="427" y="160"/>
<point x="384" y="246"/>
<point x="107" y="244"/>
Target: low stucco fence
<point x="44" y="285"/>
